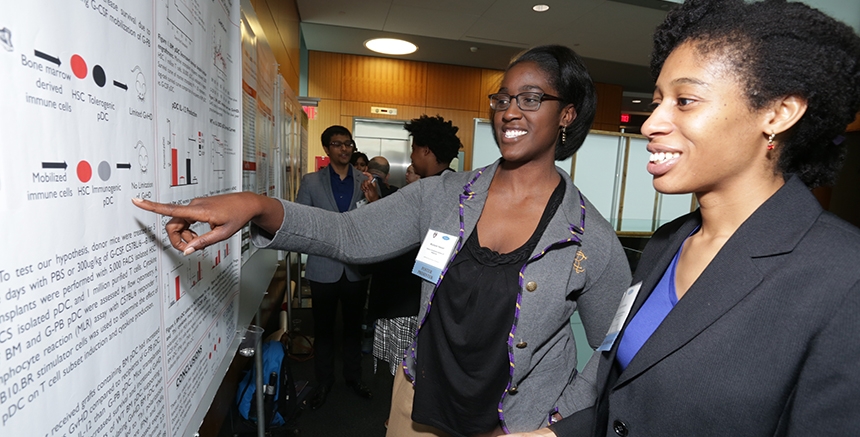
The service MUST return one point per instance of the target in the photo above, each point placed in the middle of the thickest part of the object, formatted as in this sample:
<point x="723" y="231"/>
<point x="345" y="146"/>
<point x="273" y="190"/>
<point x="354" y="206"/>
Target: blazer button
<point x="531" y="286"/>
<point x="513" y="390"/>
<point x="522" y="345"/>
<point x="620" y="428"/>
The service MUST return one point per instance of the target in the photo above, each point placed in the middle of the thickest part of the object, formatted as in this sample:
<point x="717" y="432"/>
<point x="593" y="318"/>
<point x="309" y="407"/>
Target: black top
<point x="463" y="369"/>
<point x="394" y="290"/>
<point x="386" y="189"/>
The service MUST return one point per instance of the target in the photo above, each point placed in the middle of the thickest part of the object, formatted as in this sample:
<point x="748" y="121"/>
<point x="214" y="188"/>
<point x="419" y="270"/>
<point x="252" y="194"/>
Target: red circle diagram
<point x="79" y="66"/>
<point x="85" y="172"/>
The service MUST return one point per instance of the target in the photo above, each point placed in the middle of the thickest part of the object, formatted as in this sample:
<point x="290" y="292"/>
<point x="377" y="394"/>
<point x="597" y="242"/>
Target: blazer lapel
<point x="325" y="176"/>
<point x="705" y="302"/>
<point x="709" y="298"/>
<point x="357" y="194"/>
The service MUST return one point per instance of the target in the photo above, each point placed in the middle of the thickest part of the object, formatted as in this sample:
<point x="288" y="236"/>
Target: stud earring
<point x="770" y="144"/>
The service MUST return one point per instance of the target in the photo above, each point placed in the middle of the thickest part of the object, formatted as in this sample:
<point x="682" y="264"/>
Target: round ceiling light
<point x="540" y="8"/>
<point x="390" y="46"/>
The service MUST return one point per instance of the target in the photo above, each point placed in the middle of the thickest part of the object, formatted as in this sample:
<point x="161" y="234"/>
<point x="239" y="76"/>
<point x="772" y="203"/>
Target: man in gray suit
<point x="336" y="187"/>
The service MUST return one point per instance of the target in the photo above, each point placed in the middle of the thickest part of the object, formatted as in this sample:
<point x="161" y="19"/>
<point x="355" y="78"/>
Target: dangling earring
<point x="563" y="135"/>
<point x="770" y="144"/>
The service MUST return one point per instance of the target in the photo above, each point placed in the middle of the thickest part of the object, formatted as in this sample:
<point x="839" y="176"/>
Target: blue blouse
<point x="650" y="316"/>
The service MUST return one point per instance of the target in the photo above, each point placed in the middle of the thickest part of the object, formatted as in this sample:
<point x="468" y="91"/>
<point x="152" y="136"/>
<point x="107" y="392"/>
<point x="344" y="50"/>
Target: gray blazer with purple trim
<point x="590" y="276"/>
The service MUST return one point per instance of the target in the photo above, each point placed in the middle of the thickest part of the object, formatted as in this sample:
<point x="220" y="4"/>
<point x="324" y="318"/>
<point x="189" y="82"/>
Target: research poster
<point x="105" y="329"/>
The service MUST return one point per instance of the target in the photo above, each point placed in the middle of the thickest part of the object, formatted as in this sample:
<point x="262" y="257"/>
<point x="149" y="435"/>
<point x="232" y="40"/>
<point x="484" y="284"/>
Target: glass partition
<point x="634" y="206"/>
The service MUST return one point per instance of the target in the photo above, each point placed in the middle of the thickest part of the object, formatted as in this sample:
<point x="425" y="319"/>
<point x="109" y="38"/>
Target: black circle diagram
<point x="99" y="75"/>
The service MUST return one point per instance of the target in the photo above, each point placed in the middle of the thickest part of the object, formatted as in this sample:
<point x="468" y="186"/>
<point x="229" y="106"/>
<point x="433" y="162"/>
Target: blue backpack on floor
<point x="280" y="402"/>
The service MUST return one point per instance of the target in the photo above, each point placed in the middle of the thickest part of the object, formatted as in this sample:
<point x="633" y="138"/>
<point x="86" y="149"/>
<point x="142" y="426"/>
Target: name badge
<point x="620" y="316"/>
<point x="434" y="254"/>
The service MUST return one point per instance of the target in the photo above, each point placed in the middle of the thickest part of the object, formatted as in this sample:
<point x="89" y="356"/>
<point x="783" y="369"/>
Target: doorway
<point x="387" y="138"/>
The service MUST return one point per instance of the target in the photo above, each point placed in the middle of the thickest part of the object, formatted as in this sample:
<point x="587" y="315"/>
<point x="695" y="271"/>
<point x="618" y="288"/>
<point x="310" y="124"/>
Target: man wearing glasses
<point x="336" y="187"/>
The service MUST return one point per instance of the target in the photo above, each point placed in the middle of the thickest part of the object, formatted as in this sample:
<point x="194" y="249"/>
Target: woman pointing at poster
<point x="525" y="249"/>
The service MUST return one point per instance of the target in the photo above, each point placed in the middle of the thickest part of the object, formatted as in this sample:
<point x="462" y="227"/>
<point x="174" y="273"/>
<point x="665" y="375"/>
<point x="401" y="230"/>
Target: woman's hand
<point x="225" y="214"/>
<point x="369" y="189"/>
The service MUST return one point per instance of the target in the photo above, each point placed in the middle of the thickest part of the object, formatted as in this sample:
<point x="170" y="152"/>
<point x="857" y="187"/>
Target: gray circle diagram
<point x="104" y="170"/>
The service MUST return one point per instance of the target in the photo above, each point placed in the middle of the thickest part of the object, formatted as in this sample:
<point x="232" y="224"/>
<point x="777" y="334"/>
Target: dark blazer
<point x="315" y="190"/>
<point x="766" y="342"/>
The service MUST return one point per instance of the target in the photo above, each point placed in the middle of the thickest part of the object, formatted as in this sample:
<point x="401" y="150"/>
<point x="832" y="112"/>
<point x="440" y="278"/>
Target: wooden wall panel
<point x="286" y="15"/>
<point x="325" y="75"/>
<point x="454" y="87"/>
<point x="368" y="79"/>
<point x="349" y="85"/>
<point x="608" y="115"/>
<point x="362" y="110"/>
<point x="490" y="81"/>
<point x="328" y="113"/>
<point x="280" y="23"/>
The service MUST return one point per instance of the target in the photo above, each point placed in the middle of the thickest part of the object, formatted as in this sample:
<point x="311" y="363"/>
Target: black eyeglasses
<point x="525" y="101"/>
<point x="337" y="144"/>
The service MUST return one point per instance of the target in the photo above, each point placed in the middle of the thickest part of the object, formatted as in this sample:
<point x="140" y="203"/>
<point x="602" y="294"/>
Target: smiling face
<point x="525" y="136"/>
<point x="703" y="136"/>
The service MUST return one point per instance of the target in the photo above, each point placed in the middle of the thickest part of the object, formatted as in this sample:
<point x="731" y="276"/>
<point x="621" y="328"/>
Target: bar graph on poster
<point x="104" y="328"/>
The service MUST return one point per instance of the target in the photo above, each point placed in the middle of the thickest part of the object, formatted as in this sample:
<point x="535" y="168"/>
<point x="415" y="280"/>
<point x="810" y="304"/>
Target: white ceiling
<point x="613" y="36"/>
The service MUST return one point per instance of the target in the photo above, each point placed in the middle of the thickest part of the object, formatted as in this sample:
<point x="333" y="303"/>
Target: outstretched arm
<point x="225" y="214"/>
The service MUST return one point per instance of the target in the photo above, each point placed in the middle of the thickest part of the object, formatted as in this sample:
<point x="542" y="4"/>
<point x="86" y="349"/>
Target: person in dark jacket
<point x="746" y="318"/>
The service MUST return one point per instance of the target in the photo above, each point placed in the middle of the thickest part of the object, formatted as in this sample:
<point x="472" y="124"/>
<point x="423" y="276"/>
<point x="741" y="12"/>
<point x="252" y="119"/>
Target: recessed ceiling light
<point x="540" y="8"/>
<point x="635" y="101"/>
<point x="390" y="46"/>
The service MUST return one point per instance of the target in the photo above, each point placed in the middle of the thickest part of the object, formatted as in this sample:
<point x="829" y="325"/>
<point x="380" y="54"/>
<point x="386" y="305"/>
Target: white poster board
<point x="104" y="329"/>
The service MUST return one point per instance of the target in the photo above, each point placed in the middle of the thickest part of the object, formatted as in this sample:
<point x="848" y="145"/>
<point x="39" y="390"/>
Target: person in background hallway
<point x="359" y="161"/>
<point x="395" y="293"/>
<point x="335" y="188"/>
<point x="411" y="176"/>
<point x="495" y="352"/>
<point x="434" y="144"/>
<point x="378" y="167"/>
<point x="392" y="301"/>
<point x="748" y="309"/>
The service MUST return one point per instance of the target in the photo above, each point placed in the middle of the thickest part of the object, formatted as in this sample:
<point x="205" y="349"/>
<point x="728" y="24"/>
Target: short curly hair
<point x="566" y="72"/>
<point x="438" y="135"/>
<point x="776" y="49"/>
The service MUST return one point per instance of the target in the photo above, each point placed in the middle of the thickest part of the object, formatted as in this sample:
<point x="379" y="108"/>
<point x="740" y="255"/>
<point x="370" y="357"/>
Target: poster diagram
<point x="180" y="154"/>
<point x="99" y="317"/>
<point x="182" y="15"/>
<point x="222" y="154"/>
